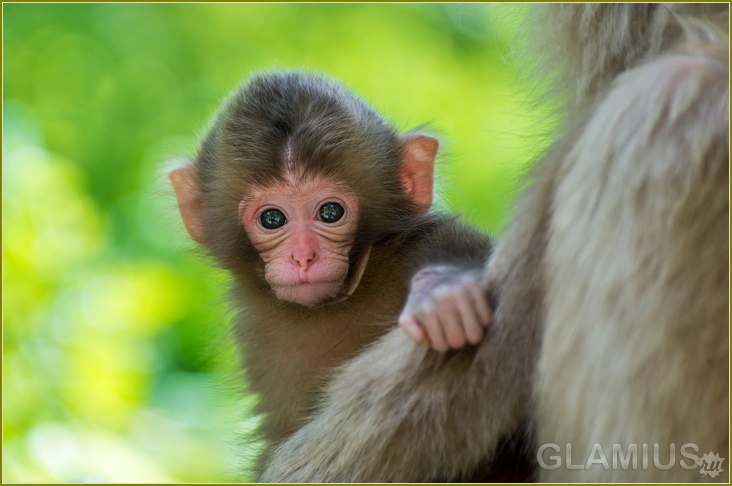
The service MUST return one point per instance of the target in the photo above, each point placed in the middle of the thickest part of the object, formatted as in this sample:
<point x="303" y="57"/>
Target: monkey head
<point x="297" y="180"/>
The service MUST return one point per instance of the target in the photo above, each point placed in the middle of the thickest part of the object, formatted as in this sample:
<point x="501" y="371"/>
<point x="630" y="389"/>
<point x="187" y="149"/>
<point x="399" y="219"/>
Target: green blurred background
<point x="116" y="362"/>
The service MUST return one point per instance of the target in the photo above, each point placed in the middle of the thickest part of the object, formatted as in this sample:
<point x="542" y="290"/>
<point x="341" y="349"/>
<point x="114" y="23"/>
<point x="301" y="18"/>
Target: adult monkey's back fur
<point x="611" y="283"/>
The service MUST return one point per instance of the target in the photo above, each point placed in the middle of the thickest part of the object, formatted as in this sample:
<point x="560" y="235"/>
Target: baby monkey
<point x="320" y="212"/>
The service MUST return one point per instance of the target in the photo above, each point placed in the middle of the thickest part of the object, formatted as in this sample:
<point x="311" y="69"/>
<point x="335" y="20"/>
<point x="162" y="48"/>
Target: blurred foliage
<point x="116" y="362"/>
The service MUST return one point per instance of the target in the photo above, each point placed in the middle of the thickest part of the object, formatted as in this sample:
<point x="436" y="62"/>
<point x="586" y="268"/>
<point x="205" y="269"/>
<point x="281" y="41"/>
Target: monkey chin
<point x="309" y="294"/>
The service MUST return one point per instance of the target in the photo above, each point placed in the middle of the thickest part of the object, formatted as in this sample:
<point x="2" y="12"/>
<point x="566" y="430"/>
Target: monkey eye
<point x="331" y="212"/>
<point x="272" y="219"/>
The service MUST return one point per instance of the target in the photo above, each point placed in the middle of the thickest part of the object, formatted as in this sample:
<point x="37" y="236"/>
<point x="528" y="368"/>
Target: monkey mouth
<point x="309" y="294"/>
<point x="306" y="283"/>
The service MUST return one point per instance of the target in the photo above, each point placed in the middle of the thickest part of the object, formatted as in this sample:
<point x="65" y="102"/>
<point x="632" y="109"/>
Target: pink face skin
<point x="305" y="259"/>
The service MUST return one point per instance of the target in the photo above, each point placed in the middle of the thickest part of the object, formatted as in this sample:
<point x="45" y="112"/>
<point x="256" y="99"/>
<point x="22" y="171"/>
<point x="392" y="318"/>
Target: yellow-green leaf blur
<point x="117" y="363"/>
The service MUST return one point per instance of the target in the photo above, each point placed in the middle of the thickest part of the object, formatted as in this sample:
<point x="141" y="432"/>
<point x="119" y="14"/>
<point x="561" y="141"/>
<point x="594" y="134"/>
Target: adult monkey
<point x="611" y="284"/>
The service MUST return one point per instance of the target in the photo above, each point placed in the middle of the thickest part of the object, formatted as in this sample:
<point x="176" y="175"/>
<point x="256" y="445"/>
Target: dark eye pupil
<point x="272" y="218"/>
<point x="331" y="212"/>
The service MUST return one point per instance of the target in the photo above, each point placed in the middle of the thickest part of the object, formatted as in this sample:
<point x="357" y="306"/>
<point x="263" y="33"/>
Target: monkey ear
<point x="418" y="168"/>
<point x="190" y="200"/>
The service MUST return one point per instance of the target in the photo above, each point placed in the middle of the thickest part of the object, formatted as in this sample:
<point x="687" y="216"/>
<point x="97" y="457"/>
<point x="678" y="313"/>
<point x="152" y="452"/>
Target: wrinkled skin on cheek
<point x="303" y="230"/>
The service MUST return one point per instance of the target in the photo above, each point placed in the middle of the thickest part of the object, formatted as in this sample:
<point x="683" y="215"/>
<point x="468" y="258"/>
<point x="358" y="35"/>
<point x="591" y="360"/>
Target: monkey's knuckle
<point x="471" y="286"/>
<point x="422" y="309"/>
<point x="439" y="293"/>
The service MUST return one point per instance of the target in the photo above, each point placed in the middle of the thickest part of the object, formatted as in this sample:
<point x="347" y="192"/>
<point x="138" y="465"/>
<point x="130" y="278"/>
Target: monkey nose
<point x="304" y="259"/>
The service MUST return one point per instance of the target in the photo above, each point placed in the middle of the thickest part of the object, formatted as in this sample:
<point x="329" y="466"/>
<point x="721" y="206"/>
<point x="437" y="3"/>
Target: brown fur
<point x="610" y="285"/>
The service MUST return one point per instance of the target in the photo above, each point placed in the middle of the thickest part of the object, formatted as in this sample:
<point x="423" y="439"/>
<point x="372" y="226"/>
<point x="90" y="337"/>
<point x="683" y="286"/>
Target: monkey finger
<point x="412" y="328"/>
<point x="431" y="324"/>
<point x="449" y="319"/>
<point x="485" y="313"/>
<point x="469" y="319"/>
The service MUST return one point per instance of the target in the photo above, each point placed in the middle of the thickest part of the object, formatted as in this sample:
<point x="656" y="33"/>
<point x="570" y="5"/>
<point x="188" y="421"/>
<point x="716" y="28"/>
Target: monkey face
<point x="303" y="231"/>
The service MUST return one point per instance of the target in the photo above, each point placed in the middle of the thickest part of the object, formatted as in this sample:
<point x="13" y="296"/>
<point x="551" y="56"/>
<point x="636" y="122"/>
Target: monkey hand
<point x="446" y="306"/>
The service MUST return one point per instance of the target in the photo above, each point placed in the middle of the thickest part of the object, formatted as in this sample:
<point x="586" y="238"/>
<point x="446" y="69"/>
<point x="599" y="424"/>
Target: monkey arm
<point x="447" y="242"/>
